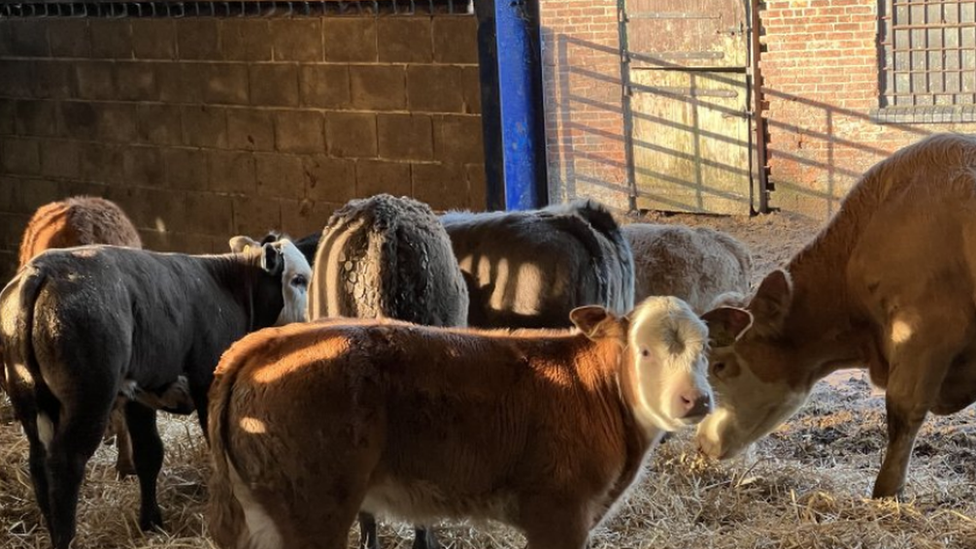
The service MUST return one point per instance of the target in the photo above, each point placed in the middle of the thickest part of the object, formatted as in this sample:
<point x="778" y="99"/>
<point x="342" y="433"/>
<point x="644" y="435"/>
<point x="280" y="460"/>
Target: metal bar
<point x="490" y="106"/>
<point x="671" y="15"/>
<point x="691" y="92"/>
<point x="757" y="109"/>
<point x="948" y="48"/>
<point x="917" y="26"/>
<point x="931" y="2"/>
<point x="911" y="83"/>
<point x="679" y="54"/>
<point x="896" y="94"/>
<point x="225" y="8"/>
<point x="926" y="71"/>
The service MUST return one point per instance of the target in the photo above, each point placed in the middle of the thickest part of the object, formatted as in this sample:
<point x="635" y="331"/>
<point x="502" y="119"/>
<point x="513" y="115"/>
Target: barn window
<point x="928" y="61"/>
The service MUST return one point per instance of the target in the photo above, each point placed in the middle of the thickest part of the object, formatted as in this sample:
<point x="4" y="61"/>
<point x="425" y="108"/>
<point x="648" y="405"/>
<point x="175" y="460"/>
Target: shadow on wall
<point x="683" y="126"/>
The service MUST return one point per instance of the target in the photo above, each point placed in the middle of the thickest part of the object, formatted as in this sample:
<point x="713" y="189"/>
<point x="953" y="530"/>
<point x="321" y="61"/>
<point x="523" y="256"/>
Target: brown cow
<point x="78" y="221"/>
<point x="889" y="284"/>
<point x="543" y="430"/>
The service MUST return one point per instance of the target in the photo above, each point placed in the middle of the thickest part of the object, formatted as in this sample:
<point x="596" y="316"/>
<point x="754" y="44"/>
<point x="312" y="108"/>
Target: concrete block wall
<point x="202" y="128"/>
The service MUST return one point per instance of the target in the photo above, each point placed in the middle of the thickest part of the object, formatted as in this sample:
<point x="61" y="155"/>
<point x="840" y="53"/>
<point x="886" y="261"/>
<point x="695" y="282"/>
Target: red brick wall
<point x="821" y="75"/>
<point x="583" y="101"/>
<point x="202" y="128"/>
<point x="821" y="71"/>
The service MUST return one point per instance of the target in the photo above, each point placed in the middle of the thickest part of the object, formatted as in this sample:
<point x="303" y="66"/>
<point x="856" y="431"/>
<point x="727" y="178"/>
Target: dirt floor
<point x="804" y="486"/>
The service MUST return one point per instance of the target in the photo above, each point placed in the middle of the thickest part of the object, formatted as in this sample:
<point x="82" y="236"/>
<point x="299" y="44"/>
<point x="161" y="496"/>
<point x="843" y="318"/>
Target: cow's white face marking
<point x="668" y="344"/>
<point x="294" y="284"/>
<point x="748" y="406"/>
<point x="45" y="430"/>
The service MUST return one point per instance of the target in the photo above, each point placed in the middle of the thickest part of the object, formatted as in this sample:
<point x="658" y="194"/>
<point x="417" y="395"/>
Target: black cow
<point x="82" y="326"/>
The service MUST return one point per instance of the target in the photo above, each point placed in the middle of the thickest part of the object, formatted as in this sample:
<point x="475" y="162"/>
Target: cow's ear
<point x="594" y="321"/>
<point x="240" y="244"/>
<point x="273" y="236"/>
<point x="271" y="260"/>
<point x="726" y="325"/>
<point x="772" y="302"/>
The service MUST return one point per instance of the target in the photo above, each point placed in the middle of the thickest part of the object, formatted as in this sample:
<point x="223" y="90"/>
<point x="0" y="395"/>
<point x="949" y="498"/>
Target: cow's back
<point x="530" y="269"/>
<point x="157" y="311"/>
<point x="387" y="257"/>
<point x="77" y="221"/>
<point x="694" y="264"/>
<point x="405" y="405"/>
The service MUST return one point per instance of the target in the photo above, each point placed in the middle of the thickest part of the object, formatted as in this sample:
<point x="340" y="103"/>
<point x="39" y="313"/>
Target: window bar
<point x="926" y="58"/>
<point x="911" y="40"/>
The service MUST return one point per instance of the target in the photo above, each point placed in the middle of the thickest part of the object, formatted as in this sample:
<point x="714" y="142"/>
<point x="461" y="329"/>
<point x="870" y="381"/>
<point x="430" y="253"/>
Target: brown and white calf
<point x="79" y="221"/>
<point x="543" y="430"/>
<point x="889" y="284"/>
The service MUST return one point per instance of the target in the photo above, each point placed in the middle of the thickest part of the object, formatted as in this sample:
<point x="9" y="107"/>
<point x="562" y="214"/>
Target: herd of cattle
<point x="515" y="366"/>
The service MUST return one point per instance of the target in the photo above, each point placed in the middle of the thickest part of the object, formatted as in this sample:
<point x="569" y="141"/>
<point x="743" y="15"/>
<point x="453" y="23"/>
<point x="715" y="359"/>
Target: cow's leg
<point x="75" y="440"/>
<point x="147" y="453"/>
<point x="23" y="399"/>
<point x="199" y="395"/>
<point x="367" y="532"/>
<point x="424" y="538"/>
<point x="920" y="358"/>
<point x="38" y="471"/>
<point x="554" y="523"/>
<point x="124" y="466"/>
<point x="560" y="526"/>
<point x="26" y="411"/>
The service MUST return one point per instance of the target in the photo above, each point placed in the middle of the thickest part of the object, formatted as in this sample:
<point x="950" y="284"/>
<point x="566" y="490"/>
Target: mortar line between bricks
<point x="235" y="106"/>
<point x="178" y="61"/>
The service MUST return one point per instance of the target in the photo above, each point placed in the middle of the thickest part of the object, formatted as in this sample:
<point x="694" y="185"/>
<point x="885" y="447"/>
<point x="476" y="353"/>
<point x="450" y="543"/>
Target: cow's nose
<point x="695" y="405"/>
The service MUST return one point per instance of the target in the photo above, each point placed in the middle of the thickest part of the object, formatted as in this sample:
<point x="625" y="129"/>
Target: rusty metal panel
<point x="691" y="141"/>
<point x="686" y="33"/>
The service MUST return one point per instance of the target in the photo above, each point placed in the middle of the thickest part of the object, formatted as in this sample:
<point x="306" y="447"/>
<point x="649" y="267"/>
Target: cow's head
<point x="753" y="368"/>
<point x="308" y="244"/>
<point x="287" y="275"/>
<point x="665" y="363"/>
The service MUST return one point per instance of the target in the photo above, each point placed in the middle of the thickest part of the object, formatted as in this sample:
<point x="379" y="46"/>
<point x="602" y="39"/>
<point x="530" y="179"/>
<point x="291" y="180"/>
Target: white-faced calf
<point x="543" y="430"/>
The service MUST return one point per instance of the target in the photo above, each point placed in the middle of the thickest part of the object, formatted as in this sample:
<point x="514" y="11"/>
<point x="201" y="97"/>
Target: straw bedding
<point x="804" y="486"/>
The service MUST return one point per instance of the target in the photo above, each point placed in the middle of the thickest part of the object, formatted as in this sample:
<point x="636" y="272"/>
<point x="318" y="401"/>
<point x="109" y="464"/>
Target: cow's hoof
<point x="151" y="521"/>
<point x="123" y="470"/>
<point x="425" y="539"/>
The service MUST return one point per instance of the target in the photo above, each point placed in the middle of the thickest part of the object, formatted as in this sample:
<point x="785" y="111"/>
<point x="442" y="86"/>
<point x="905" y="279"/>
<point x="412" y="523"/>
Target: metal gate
<point x="689" y="104"/>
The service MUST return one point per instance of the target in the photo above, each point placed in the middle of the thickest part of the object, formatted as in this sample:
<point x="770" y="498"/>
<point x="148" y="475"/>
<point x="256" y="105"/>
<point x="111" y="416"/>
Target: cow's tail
<point x="35" y="405"/>
<point x="620" y="261"/>
<point x="235" y="519"/>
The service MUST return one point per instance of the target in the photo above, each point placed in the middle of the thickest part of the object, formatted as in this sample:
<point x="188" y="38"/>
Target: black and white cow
<point x="82" y="326"/>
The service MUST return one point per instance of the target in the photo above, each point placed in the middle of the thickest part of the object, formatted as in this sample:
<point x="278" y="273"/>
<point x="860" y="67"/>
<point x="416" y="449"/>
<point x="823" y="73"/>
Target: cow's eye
<point x="645" y="353"/>
<point x="718" y="367"/>
<point x="300" y="281"/>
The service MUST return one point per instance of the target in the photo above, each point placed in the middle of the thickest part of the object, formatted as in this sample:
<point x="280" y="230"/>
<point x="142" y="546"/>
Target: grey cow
<point x="387" y="257"/>
<point x="80" y="325"/>
<point x="529" y="269"/>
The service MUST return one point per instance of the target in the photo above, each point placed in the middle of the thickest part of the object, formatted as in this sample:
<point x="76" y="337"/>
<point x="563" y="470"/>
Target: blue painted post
<point x="512" y="103"/>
